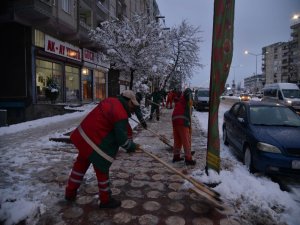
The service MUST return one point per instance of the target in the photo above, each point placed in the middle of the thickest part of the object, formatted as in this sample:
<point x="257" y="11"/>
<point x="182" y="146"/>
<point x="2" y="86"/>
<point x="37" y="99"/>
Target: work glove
<point x="144" y="124"/>
<point x="138" y="148"/>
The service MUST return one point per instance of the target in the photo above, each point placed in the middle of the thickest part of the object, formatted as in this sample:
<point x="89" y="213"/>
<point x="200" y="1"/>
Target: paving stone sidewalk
<point x="150" y="193"/>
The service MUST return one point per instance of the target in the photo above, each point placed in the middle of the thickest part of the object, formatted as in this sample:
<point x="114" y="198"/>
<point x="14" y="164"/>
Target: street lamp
<point x="234" y="67"/>
<point x="296" y="18"/>
<point x="250" y="53"/>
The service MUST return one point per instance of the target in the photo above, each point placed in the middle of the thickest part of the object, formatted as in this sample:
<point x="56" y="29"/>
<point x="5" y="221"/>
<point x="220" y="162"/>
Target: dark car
<point x="201" y="99"/>
<point x="245" y="97"/>
<point x="266" y="135"/>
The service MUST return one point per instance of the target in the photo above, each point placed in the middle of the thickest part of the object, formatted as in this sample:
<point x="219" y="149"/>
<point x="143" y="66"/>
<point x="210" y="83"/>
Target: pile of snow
<point x="255" y="198"/>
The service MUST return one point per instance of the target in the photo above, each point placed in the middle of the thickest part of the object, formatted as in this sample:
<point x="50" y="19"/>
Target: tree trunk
<point x="131" y="79"/>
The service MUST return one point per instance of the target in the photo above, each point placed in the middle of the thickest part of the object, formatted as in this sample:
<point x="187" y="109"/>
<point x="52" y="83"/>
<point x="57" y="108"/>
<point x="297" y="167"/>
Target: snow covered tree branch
<point x="137" y="46"/>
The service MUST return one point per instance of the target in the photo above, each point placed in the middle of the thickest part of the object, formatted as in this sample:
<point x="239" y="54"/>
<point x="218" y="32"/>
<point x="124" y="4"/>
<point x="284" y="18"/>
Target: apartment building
<point x="254" y="83"/>
<point x="281" y="61"/>
<point x="44" y="39"/>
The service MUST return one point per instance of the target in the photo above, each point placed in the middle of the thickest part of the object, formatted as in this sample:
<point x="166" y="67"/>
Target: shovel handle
<point x="199" y="186"/>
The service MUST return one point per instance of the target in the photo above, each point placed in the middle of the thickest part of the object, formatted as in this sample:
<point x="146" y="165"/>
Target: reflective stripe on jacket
<point x="107" y="127"/>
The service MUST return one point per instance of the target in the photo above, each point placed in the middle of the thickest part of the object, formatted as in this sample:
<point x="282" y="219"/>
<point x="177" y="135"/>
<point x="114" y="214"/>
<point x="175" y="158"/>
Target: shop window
<point x="87" y="82"/>
<point x="99" y="84"/>
<point x="45" y="70"/>
<point x="72" y="84"/>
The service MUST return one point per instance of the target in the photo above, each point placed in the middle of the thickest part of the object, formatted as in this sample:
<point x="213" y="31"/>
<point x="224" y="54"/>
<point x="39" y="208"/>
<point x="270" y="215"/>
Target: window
<point x="234" y="109"/>
<point x="39" y="38"/>
<point x="87" y="84"/>
<point x="99" y="88"/>
<point x="66" y="5"/>
<point x="242" y="112"/>
<point x="45" y="69"/>
<point x="72" y="84"/>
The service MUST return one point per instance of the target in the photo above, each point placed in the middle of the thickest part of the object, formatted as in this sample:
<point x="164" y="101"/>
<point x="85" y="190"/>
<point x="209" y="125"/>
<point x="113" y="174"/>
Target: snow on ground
<point x="22" y="200"/>
<point x="251" y="195"/>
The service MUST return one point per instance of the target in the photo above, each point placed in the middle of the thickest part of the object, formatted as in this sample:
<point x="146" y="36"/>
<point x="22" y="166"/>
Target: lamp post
<point x="234" y="67"/>
<point x="250" y="53"/>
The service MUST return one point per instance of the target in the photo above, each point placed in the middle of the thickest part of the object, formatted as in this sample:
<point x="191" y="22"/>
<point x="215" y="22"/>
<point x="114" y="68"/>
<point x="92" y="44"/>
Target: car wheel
<point x="225" y="138"/>
<point x="248" y="160"/>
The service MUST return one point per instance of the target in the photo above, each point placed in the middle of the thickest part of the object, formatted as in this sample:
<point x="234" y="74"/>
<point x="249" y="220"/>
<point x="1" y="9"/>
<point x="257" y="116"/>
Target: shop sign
<point x="60" y="48"/>
<point x="93" y="57"/>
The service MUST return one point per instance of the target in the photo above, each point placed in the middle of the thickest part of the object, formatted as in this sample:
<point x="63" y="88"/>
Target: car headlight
<point x="289" y="102"/>
<point x="267" y="147"/>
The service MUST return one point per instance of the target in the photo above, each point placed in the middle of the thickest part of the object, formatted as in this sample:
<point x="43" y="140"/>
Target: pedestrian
<point x="170" y="96"/>
<point x="181" y="122"/>
<point x="156" y="99"/>
<point x="98" y="138"/>
<point x="147" y="99"/>
<point x="163" y="94"/>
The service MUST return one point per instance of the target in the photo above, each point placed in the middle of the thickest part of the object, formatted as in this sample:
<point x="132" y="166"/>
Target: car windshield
<point x="203" y="93"/>
<point x="291" y="93"/>
<point x="273" y="116"/>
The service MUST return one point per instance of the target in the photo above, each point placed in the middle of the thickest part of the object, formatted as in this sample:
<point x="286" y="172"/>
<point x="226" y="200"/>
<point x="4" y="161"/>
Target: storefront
<point x="58" y="64"/>
<point x="94" y="76"/>
<point x="79" y="75"/>
<point x="124" y="81"/>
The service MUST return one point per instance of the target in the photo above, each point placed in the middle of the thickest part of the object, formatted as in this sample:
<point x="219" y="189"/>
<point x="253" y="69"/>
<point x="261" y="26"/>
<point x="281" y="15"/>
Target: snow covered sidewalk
<point x="34" y="171"/>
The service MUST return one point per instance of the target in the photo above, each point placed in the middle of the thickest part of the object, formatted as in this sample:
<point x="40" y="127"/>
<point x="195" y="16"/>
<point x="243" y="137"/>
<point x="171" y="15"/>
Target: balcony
<point x="32" y="11"/>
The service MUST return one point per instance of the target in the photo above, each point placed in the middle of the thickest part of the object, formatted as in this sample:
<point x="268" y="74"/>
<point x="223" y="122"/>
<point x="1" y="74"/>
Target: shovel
<point x="161" y="137"/>
<point x="211" y="195"/>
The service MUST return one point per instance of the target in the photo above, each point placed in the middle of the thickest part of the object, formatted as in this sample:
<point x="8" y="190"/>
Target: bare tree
<point x="184" y="52"/>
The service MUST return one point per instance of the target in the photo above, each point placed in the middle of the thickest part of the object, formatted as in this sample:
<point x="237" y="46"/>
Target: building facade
<point x="281" y="61"/>
<point x="254" y="83"/>
<point x="48" y="39"/>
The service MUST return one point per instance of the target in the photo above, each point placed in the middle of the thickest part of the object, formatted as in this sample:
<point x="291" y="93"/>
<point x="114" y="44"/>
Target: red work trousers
<point x="80" y="167"/>
<point x="169" y="102"/>
<point x="182" y="137"/>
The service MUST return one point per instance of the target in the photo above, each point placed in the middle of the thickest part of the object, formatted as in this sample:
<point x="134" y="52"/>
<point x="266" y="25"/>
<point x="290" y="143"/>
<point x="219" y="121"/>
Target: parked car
<point x="245" y="97"/>
<point x="201" y="99"/>
<point x="266" y="135"/>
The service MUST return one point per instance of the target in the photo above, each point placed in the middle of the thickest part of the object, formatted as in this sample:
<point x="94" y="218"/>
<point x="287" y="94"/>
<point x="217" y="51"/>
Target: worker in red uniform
<point x="181" y="121"/>
<point x="98" y="138"/>
<point x="170" y="97"/>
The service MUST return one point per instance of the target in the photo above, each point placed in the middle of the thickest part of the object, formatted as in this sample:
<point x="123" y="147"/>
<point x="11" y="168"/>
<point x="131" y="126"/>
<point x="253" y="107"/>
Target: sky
<point x="258" y="23"/>
<point x="258" y="193"/>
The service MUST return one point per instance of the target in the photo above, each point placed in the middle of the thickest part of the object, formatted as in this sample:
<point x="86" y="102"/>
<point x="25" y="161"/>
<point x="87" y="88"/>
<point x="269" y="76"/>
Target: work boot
<point x="157" y="118"/>
<point x="177" y="158"/>
<point x="112" y="204"/>
<point x="190" y="162"/>
<point x="70" y="195"/>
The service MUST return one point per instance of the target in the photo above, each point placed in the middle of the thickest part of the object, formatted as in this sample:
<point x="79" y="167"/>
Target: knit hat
<point x="130" y="96"/>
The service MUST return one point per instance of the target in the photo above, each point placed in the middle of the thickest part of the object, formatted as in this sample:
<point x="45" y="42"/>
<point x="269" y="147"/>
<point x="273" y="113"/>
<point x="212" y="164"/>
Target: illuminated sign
<point x="95" y="58"/>
<point x="64" y="49"/>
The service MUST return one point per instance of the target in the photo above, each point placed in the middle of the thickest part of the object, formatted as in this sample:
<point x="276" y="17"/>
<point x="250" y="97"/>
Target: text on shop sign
<point x="62" y="48"/>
